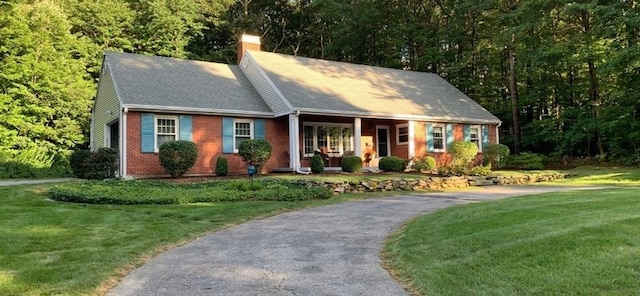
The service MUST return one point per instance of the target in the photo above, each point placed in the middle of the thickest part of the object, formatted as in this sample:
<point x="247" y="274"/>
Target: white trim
<point x="92" y="143"/>
<point x="357" y="136"/>
<point x="479" y="139"/>
<point x="251" y="131"/>
<point x="444" y="136"/>
<point x="497" y="135"/>
<point x="381" y="115"/>
<point x="398" y="127"/>
<point x="247" y="55"/>
<point x="201" y="111"/>
<point x="385" y="127"/>
<point x="412" y="139"/>
<point x="155" y="129"/>
<point x="294" y="158"/>
<point x="315" y="125"/>
<point x="123" y="142"/>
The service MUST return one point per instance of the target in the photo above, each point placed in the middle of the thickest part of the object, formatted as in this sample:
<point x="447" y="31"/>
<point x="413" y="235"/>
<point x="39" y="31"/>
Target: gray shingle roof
<point x="182" y="84"/>
<point x="350" y="89"/>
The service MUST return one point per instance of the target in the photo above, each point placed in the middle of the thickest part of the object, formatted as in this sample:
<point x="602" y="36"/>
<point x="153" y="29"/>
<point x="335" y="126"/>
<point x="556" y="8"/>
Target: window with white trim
<point x="475" y="136"/>
<point x="166" y="128"/>
<point x="437" y="134"/>
<point x="402" y="134"/>
<point x="331" y="138"/>
<point x="242" y="131"/>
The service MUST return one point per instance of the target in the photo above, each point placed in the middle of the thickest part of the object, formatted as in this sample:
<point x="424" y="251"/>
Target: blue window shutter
<point x="259" y="130"/>
<point x="430" y="137"/>
<point x="467" y="132"/>
<point x="186" y="128"/>
<point x="450" y="138"/>
<point x="485" y="137"/>
<point x="147" y="133"/>
<point x="227" y="135"/>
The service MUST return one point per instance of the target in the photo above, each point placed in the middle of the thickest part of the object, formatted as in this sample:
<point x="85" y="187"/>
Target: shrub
<point x="222" y="166"/>
<point x="351" y="164"/>
<point x="317" y="165"/>
<point x="392" y="164"/>
<point x="255" y="152"/>
<point x="497" y="154"/>
<point x="177" y="157"/>
<point x="463" y="153"/>
<point x="481" y="170"/>
<point x="426" y="163"/>
<point x="79" y="162"/>
<point x="525" y="161"/>
<point x="102" y="164"/>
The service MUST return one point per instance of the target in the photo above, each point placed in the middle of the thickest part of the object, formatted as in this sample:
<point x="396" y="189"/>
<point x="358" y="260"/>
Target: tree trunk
<point x="513" y="91"/>
<point x="594" y="93"/>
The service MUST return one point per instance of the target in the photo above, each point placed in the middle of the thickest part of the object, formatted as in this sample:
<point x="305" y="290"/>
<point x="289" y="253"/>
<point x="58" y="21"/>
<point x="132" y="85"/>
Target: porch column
<point x="357" y="135"/>
<point x="412" y="139"/>
<point x="294" y="140"/>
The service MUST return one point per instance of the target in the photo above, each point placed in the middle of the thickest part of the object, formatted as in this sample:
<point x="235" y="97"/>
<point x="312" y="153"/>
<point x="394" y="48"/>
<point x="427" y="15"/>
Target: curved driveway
<point x="331" y="250"/>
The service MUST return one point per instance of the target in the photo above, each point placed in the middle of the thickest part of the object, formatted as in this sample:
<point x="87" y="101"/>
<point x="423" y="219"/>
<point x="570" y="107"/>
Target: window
<point x="166" y="130"/>
<point x="474" y="136"/>
<point x="402" y="134"/>
<point x="242" y="131"/>
<point x="334" y="139"/>
<point x="437" y="134"/>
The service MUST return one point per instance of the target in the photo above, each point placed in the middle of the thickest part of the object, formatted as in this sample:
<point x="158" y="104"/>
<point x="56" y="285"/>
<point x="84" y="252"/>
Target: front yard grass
<point x="56" y="248"/>
<point x="578" y="243"/>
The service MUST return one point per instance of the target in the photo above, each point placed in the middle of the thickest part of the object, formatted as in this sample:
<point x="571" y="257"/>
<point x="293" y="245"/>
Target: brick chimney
<point x="247" y="42"/>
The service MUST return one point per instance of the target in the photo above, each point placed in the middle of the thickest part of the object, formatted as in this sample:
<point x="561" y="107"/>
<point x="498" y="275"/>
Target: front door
<point x="382" y="143"/>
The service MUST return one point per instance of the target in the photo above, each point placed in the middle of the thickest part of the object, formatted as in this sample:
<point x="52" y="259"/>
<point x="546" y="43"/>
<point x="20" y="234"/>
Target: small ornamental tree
<point x="463" y="153"/>
<point x="317" y="165"/>
<point x="177" y="157"/>
<point x="255" y="152"/>
<point x="222" y="166"/>
<point x="497" y="155"/>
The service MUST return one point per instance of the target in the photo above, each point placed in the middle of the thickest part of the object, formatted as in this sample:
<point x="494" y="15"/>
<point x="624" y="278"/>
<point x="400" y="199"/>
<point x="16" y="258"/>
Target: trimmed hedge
<point x="17" y="170"/>
<point x="463" y="153"/>
<point x="100" y="164"/>
<point x="317" y="165"/>
<point x="142" y="192"/>
<point x="351" y="164"/>
<point x="525" y="161"/>
<point x="392" y="164"/>
<point x="177" y="157"/>
<point x="222" y="166"/>
<point x="497" y="154"/>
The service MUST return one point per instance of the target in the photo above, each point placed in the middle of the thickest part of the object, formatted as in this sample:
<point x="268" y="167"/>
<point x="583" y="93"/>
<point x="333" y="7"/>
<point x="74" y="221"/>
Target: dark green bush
<point x="17" y="170"/>
<point x="463" y="153"/>
<point x="392" y="164"/>
<point x="102" y="164"/>
<point x="177" y="157"/>
<point x="497" y="155"/>
<point x="222" y="166"/>
<point x="142" y="192"/>
<point x="255" y="152"/>
<point x="79" y="162"/>
<point x="525" y="161"/>
<point x="317" y="165"/>
<point x="351" y="164"/>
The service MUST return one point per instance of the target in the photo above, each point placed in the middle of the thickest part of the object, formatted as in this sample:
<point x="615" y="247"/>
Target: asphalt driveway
<point x="330" y="250"/>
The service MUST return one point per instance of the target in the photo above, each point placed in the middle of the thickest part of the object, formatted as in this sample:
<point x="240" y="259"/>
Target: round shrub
<point x="222" y="166"/>
<point x="392" y="164"/>
<point x="102" y="164"/>
<point x="426" y="163"/>
<point x="79" y="162"/>
<point x="351" y="164"/>
<point x="463" y="152"/>
<point x="255" y="152"/>
<point x="177" y="157"/>
<point x="497" y="155"/>
<point x="317" y="165"/>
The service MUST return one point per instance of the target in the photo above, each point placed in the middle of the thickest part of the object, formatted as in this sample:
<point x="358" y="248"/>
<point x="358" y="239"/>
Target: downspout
<point x="123" y="142"/>
<point x="296" y="143"/>
<point x="498" y="133"/>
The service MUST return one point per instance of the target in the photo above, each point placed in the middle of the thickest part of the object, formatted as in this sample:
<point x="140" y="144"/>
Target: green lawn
<point x="56" y="248"/>
<point x="578" y="243"/>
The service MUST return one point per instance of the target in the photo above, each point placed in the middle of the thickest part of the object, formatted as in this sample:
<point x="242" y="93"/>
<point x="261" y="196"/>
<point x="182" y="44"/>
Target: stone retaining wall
<point x="429" y="183"/>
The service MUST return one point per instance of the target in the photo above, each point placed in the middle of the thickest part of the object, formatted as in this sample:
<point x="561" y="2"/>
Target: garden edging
<point x="428" y="183"/>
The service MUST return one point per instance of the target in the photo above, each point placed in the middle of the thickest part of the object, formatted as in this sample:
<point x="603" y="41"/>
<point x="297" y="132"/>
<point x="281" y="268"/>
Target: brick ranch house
<point x="300" y="105"/>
